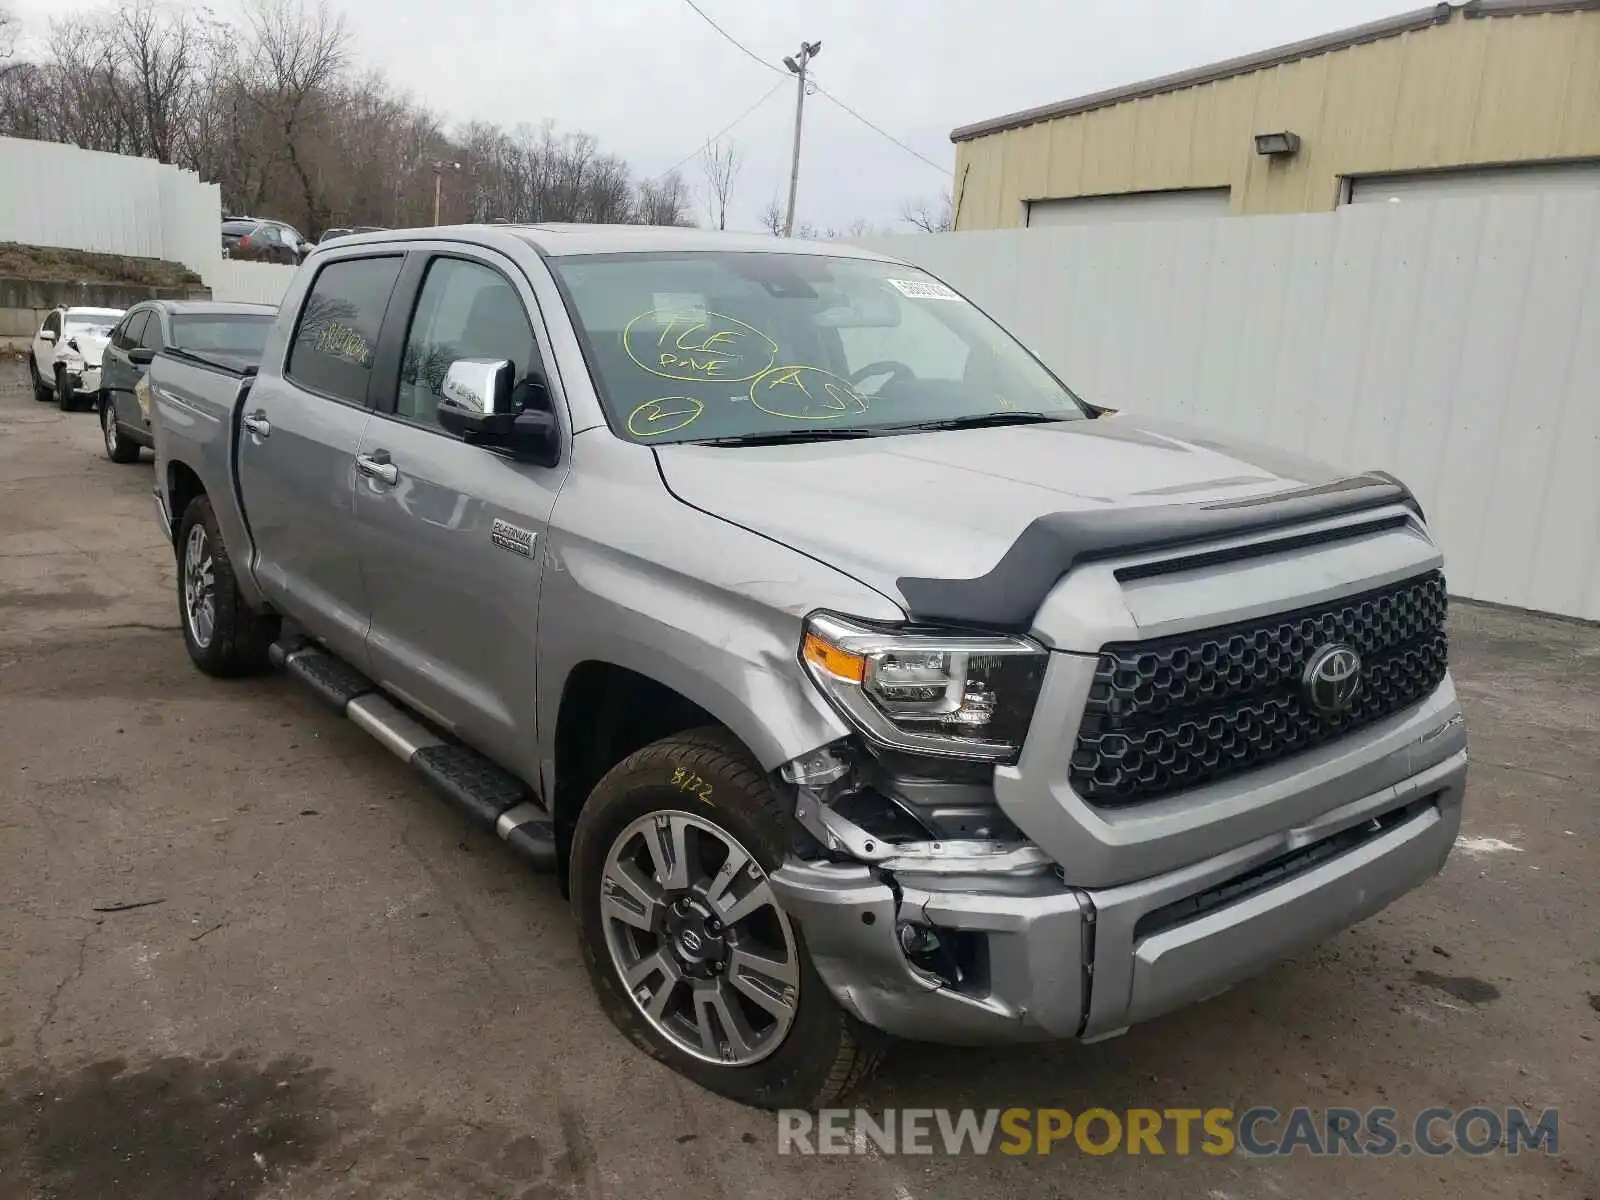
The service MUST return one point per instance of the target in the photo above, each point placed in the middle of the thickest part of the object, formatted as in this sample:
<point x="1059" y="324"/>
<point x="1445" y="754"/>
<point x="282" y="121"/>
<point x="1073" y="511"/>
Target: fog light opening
<point x="955" y="957"/>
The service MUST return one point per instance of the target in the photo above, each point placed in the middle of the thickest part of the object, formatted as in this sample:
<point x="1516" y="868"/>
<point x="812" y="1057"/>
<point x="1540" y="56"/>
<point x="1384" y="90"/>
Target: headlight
<point x="953" y="695"/>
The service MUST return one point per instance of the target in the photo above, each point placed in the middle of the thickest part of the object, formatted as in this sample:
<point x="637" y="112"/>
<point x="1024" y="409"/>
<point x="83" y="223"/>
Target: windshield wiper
<point x="982" y="421"/>
<point x="784" y="437"/>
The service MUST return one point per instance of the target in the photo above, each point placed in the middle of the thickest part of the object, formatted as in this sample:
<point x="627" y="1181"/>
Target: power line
<point x="725" y="129"/>
<point x="749" y="53"/>
<point x="881" y="132"/>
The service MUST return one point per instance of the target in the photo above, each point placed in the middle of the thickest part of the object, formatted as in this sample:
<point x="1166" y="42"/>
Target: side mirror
<point x="140" y="356"/>
<point x="478" y="404"/>
<point x="47" y="335"/>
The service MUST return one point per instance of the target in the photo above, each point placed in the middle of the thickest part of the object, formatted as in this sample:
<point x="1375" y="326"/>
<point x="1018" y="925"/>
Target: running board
<point x="493" y="798"/>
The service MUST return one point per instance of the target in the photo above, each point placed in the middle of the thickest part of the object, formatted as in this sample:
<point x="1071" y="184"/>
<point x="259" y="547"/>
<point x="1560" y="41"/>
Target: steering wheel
<point x="897" y="371"/>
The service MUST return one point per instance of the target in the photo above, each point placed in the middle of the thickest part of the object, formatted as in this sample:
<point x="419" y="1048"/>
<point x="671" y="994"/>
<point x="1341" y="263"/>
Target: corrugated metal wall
<point x="1475" y="90"/>
<point x="55" y="195"/>
<point x="1455" y="343"/>
<point x="251" y="282"/>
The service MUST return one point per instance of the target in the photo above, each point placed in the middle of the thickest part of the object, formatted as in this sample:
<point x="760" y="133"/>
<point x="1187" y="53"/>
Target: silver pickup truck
<point x="855" y="676"/>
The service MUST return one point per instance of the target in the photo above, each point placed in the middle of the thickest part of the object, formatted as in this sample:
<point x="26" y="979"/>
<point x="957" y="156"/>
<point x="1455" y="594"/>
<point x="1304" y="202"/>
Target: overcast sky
<point x="653" y="81"/>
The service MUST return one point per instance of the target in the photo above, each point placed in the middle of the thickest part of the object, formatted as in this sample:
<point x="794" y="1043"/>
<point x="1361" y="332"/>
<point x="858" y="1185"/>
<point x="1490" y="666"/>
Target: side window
<point x="134" y="329"/>
<point x="333" y="347"/>
<point x="464" y="310"/>
<point x="52" y="323"/>
<point x="118" y="331"/>
<point x="150" y="337"/>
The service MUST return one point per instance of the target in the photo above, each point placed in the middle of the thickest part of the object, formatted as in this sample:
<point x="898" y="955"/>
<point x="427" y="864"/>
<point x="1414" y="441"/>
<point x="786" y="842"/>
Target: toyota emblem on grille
<point x="1332" y="678"/>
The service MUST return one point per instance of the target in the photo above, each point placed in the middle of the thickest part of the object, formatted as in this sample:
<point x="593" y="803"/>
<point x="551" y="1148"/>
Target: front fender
<point x="640" y="580"/>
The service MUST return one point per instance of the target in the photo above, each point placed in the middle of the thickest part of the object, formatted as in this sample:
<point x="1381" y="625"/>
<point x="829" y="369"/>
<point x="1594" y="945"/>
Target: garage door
<point x="1530" y="180"/>
<point x="1188" y="203"/>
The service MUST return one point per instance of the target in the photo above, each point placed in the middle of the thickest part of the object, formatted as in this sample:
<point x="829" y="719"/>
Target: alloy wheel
<point x="199" y="587"/>
<point x="697" y="937"/>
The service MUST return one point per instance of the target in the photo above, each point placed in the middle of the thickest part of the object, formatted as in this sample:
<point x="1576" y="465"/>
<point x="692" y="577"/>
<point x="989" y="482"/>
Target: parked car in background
<point x="330" y="235"/>
<point x="64" y="360"/>
<point x="258" y="240"/>
<point x="214" y="331"/>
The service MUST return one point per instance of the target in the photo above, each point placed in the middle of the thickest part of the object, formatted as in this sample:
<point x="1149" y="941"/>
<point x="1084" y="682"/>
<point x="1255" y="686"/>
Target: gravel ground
<point x="335" y="988"/>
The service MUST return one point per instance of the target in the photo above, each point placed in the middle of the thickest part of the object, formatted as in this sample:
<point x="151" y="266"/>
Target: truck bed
<point x="195" y="404"/>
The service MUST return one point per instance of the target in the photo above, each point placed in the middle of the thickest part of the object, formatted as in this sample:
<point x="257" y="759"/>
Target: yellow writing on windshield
<point x="806" y="394"/>
<point x="697" y="347"/>
<point x="666" y="415"/>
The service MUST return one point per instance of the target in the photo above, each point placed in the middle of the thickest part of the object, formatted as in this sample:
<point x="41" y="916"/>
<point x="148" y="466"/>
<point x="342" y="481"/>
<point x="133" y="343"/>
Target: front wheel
<point x="64" y="399"/>
<point x="691" y="954"/>
<point x="118" y="448"/>
<point x="224" y="635"/>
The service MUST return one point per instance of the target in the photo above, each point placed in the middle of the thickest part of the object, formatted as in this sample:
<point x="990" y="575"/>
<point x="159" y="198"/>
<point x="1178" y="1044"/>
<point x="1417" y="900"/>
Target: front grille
<point x="1173" y="713"/>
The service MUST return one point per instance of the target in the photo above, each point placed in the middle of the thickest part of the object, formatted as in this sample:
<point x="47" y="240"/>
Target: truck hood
<point x="949" y="504"/>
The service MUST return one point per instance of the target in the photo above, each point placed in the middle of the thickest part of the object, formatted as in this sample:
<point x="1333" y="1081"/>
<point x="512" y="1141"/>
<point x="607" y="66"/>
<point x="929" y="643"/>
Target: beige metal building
<point x="1457" y="99"/>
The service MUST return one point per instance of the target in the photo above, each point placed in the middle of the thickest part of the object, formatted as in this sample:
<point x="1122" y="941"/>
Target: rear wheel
<point x="118" y="448"/>
<point x="224" y="635"/>
<point x="691" y="954"/>
<point x="42" y="391"/>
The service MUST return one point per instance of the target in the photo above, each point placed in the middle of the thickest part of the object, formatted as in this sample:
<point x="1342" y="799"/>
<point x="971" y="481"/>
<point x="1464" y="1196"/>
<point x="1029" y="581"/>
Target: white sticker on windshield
<point x="672" y="307"/>
<point x="923" y="289"/>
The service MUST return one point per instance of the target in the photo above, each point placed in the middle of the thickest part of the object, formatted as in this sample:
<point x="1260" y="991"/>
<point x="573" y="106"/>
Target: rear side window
<point x="333" y="347"/>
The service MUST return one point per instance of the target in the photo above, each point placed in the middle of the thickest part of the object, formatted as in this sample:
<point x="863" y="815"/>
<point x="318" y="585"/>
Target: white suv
<point x="64" y="360"/>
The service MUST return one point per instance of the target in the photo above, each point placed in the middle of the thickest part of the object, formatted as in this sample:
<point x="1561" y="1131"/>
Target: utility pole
<point x="438" y="185"/>
<point x="797" y="64"/>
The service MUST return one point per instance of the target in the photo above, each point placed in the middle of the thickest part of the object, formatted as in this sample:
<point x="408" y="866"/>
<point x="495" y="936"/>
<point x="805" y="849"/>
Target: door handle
<point x="258" y="425"/>
<point x="377" y="466"/>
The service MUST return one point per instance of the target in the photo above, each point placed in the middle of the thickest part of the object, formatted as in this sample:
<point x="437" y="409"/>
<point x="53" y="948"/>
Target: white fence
<point x="1455" y="343"/>
<point x="255" y="282"/>
<point x="54" y="195"/>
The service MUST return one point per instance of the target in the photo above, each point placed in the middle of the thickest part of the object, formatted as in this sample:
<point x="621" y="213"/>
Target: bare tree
<point x="663" y="201"/>
<point x="720" y="164"/>
<point x="8" y="42"/>
<point x="273" y="113"/>
<point x="930" y="217"/>
<point x="772" y="218"/>
<point x="297" y="57"/>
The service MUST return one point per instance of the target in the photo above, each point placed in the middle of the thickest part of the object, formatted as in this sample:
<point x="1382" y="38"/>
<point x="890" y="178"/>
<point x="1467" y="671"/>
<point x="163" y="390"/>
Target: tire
<point x="824" y="1051"/>
<point x="42" y="391"/>
<point x="64" y="399"/>
<point x="118" y="448"/>
<point x="229" y="638"/>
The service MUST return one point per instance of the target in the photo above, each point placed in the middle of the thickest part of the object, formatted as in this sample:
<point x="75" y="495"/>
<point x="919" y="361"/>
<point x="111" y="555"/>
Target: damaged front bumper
<point x="1044" y="960"/>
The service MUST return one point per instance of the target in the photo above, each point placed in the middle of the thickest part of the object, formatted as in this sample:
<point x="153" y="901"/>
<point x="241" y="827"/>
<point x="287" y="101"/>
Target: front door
<point x="297" y="450"/>
<point x="452" y="535"/>
<point x="117" y="373"/>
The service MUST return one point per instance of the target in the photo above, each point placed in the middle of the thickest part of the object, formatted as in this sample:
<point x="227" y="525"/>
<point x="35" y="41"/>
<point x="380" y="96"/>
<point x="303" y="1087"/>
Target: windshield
<point x="694" y="346"/>
<point x="238" y="333"/>
<point x="90" y="326"/>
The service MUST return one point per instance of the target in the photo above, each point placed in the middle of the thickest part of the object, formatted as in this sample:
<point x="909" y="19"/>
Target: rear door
<point x="452" y="535"/>
<point x="297" y="447"/>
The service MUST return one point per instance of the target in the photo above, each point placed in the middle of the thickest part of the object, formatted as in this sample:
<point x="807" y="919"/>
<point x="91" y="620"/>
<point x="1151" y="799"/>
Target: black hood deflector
<point x="1009" y="595"/>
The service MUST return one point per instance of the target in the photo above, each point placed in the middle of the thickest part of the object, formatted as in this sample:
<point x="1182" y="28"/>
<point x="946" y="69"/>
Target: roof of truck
<point x="560" y="239"/>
